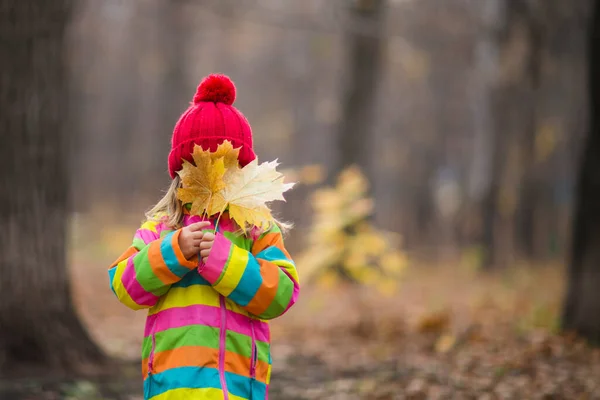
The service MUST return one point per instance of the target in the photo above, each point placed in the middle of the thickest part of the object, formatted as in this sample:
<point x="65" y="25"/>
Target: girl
<point x="209" y="295"/>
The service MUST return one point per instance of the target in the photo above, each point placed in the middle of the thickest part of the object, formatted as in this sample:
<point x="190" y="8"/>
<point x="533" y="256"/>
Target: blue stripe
<point x="273" y="254"/>
<point x="170" y="258"/>
<point x="111" y="278"/>
<point x="249" y="283"/>
<point x="190" y="280"/>
<point x="182" y="377"/>
<point x="240" y="386"/>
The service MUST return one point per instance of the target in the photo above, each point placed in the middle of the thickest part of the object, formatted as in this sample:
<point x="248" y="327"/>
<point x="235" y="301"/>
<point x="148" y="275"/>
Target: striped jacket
<point x="207" y="334"/>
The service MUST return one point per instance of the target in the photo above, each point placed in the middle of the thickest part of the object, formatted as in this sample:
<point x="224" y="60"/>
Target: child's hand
<point x="191" y="237"/>
<point x="206" y="245"/>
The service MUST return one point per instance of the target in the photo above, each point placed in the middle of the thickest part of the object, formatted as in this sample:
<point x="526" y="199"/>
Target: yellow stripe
<point x="187" y="296"/>
<point x="187" y="393"/>
<point x="231" y="306"/>
<point x="150" y="225"/>
<point x="289" y="267"/>
<point x="235" y="269"/>
<point x="120" y="290"/>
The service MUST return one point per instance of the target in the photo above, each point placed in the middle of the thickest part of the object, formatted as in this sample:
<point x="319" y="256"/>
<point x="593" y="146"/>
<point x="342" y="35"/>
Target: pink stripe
<point x="217" y="260"/>
<point x="146" y="235"/>
<point x="241" y="324"/>
<point x="225" y="223"/>
<point x="228" y="225"/>
<point x="183" y="316"/>
<point x="192" y="219"/>
<point x="207" y="316"/>
<point x="161" y="227"/>
<point x="296" y="291"/>
<point x="134" y="288"/>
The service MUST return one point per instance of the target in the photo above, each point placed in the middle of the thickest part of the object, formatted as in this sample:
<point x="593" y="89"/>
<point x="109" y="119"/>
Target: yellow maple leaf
<point x="201" y="182"/>
<point x="248" y="190"/>
<point x="230" y="155"/>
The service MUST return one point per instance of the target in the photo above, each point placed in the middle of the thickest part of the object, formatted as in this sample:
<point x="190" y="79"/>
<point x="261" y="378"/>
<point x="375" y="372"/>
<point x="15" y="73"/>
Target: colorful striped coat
<point x="207" y="333"/>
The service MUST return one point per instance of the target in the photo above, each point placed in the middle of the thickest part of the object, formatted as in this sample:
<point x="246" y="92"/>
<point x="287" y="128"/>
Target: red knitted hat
<point x="211" y="119"/>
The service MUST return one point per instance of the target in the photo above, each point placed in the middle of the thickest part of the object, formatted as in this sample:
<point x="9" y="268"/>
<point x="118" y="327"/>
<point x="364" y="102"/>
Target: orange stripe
<point x="185" y="356"/>
<point x="157" y="263"/>
<point x="262" y="371"/>
<point x="270" y="240"/>
<point x="267" y="290"/>
<point x="193" y="263"/>
<point x="199" y="356"/>
<point x="144" y="368"/>
<point x="265" y="242"/>
<point x="237" y="364"/>
<point x="128" y="253"/>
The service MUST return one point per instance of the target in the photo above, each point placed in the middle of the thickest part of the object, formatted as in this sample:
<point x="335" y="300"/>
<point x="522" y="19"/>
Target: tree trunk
<point x="531" y="187"/>
<point x="40" y="328"/>
<point x="581" y="313"/>
<point x="364" y="46"/>
<point x="508" y="208"/>
<point x="173" y="94"/>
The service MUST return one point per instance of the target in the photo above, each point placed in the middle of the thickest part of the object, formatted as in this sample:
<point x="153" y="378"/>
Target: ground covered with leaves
<point x="448" y="333"/>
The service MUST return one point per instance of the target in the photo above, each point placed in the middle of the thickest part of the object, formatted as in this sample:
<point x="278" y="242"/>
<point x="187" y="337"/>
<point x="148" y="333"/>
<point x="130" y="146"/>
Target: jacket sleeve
<point x="263" y="281"/>
<point x="148" y="268"/>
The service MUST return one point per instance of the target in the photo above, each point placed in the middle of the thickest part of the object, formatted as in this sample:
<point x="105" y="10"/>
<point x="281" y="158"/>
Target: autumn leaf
<point x="200" y="182"/>
<point x="434" y="323"/>
<point x="230" y="156"/>
<point x="345" y="245"/>
<point x="216" y="183"/>
<point x="247" y="191"/>
<point x="445" y="343"/>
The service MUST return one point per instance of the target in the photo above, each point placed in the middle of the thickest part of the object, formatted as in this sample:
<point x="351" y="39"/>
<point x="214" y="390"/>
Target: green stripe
<point x="285" y="289"/>
<point x="263" y="351"/>
<point x="145" y="276"/>
<point x="242" y="345"/>
<point x="138" y="243"/>
<point x="274" y="229"/>
<point x="146" y="347"/>
<point x="192" y="335"/>
<point x="165" y="232"/>
<point x="238" y="343"/>
<point x="239" y="240"/>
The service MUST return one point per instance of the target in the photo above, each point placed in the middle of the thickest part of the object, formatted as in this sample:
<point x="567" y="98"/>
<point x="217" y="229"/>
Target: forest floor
<point x="449" y="333"/>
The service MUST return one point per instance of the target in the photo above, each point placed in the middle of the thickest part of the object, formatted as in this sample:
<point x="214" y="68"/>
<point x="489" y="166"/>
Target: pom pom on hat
<point x="215" y="88"/>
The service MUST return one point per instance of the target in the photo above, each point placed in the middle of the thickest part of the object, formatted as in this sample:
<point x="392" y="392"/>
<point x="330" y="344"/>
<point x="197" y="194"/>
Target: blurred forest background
<point x="466" y="116"/>
<point x="458" y="137"/>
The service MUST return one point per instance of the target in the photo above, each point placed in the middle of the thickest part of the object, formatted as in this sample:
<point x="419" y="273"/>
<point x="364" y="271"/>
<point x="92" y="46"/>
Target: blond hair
<point x="169" y="210"/>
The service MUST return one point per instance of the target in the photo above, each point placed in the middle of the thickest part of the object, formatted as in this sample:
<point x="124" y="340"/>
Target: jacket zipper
<point x="253" y="361"/>
<point x="222" y="346"/>
<point x="151" y="357"/>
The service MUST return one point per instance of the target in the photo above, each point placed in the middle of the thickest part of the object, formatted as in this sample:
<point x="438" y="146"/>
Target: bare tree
<point x="508" y="206"/>
<point x="173" y="94"/>
<point x="38" y="324"/>
<point x="364" y="47"/>
<point x="582" y="307"/>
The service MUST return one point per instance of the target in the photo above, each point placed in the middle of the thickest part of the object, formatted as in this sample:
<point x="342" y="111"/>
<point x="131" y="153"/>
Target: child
<point x="209" y="296"/>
